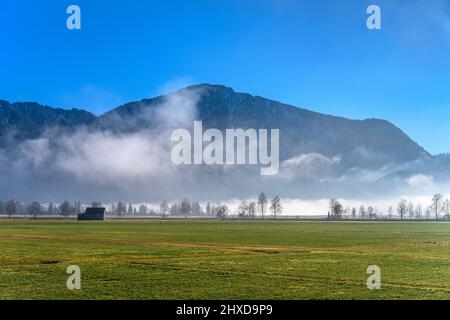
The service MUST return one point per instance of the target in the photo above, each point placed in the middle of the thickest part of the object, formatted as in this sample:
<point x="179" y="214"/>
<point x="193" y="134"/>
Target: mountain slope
<point x="29" y="120"/>
<point x="125" y="153"/>
<point x="367" y="143"/>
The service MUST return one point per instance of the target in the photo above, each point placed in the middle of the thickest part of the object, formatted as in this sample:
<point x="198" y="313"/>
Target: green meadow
<point x="223" y="259"/>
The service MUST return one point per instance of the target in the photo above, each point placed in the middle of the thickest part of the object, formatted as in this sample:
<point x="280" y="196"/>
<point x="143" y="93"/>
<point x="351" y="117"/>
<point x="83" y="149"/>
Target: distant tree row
<point x="439" y="208"/>
<point x="250" y="209"/>
<point x="184" y="208"/>
<point x="12" y="207"/>
<point x="122" y="209"/>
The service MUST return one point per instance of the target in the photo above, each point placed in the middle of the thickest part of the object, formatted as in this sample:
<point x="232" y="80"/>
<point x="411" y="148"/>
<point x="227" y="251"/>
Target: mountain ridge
<point x="196" y="86"/>
<point x="44" y="150"/>
<point x="366" y="143"/>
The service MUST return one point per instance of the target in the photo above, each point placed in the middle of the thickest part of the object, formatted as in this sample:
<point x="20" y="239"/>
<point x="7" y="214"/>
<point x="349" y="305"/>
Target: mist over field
<point x="51" y="154"/>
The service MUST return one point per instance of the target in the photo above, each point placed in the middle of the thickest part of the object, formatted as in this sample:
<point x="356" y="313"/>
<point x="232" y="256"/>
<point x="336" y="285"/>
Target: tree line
<point x="253" y="208"/>
<point x="13" y="207"/>
<point x="184" y="208"/>
<point x="438" y="209"/>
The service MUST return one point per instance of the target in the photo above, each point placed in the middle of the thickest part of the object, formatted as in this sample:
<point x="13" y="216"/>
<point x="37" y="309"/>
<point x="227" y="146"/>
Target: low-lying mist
<point x="100" y="164"/>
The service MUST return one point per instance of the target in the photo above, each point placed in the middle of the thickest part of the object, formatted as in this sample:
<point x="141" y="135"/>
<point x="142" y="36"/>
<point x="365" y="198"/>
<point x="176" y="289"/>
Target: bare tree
<point x="411" y="210"/>
<point x="221" y="210"/>
<point x="185" y="207"/>
<point x="390" y="212"/>
<point x="121" y="208"/>
<point x="252" y="209"/>
<point x="446" y="208"/>
<point x="51" y="208"/>
<point x="418" y="211"/>
<point x="35" y="209"/>
<point x="336" y="209"/>
<point x="242" y="209"/>
<point x="143" y="209"/>
<point x="428" y="213"/>
<point x="66" y="208"/>
<point x="402" y="208"/>
<point x="371" y="212"/>
<point x="164" y="208"/>
<point x="197" y="209"/>
<point x="348" y="211"/>
<point x="362" y="212"/>
<point x="276" y="206"/>
<point x="11" y="208"/>
<point x="262" y="202"/>
<point x="436" y="205"/>
<point x="174" y="210"/>
<point x="78" y="207"/>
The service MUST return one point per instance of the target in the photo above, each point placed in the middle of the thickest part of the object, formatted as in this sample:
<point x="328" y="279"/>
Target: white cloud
<point x="313" y="165"/>
<point x="420" y="180"/>
<point x="108" y="158"/>
<point x="179" y="109"/>
<point x="105" y="158"/>
<point x="310" y="159"/>
<point x="175" y="84"/>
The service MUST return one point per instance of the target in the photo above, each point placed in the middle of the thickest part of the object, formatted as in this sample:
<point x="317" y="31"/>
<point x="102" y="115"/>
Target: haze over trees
<point x="437" y="205"/>
<point x="437" y="209"/>
<point x="252" y="209"/>
<point x="217" y="107"/>
<point x="221" y="210"/>
<point x="67" y="209"/>
<point x="336" y="209"/>
<point x="35" y="209"/>
<point x="164" y="208"/>
<point x="185" y="207"/>
<point x="242" y="210"/>
<point x="276" y="207"/>
<point x="402" y="208"/>
<point x="11" y="208"/>
<point x="262" y="202"/>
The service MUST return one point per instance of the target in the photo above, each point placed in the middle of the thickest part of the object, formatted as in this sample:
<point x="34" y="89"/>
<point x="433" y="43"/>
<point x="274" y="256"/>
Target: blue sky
<point x="313" y="54"/>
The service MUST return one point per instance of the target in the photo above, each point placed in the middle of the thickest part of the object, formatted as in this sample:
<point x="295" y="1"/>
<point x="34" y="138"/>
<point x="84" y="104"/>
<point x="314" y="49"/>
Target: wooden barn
<point x="92" y="214"/>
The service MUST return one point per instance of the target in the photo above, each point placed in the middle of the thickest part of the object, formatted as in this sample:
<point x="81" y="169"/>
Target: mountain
<point x="57" y="154"/>
<point x="29" y="120"/>
<point x="367" y="143"/>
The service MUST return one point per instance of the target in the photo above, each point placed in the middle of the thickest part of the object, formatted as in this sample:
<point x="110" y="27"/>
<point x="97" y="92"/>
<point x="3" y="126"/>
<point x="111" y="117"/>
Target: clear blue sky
<point x="314" y="54"/>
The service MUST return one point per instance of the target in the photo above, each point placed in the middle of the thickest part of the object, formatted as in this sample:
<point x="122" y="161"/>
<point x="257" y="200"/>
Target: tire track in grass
<point x="255" y="249"/>
<point x="317" y="279"/>
<point x="247" y="248"/>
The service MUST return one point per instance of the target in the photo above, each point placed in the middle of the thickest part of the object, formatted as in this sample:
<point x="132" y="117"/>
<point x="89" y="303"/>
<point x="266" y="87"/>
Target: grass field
<point x="223" y="260"/>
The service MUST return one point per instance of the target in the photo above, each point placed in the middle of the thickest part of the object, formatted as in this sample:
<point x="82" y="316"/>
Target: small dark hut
<point x="92" y="214"/>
